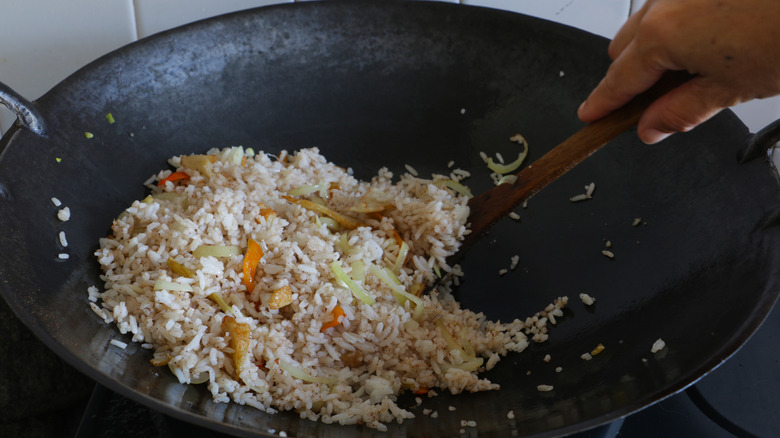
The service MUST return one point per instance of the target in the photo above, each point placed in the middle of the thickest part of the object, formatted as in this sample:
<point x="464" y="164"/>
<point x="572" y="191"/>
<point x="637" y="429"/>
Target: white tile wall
<point x="46" y="40"/>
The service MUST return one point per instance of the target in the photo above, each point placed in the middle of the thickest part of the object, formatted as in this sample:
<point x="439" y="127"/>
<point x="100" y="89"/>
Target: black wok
<point x="383" y="84"/>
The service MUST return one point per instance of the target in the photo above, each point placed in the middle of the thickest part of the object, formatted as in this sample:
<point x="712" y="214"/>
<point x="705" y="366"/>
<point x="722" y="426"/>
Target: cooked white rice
<point x="350" y="373"/>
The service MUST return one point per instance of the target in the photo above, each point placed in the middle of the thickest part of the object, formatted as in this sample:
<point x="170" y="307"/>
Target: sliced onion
<point x="465" y="343"/>
<point x="201" y="163"/>
<point x="218" y="251"/>
<point x="449" y="339"/>
<point x="305" y="190"/>
<point x="303" y="375"/>
<point x="202" y="377"/>
<point x="511" y="167"/>
<point x="356" y="289"/>
<point x="329" y="223"/>
<point x="507" y="179"/>
<point x="234" y="155"/>
<point x="454" y="185"/>
<point x="161" y="284"/>
<point x="469" y="365"/>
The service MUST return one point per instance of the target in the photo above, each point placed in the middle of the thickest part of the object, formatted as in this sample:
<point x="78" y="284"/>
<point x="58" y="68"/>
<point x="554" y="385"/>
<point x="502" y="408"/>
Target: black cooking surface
<point x="41" y="396"/>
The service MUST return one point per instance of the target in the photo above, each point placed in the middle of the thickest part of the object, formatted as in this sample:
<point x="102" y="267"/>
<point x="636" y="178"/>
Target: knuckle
<point x="680" y="120"/>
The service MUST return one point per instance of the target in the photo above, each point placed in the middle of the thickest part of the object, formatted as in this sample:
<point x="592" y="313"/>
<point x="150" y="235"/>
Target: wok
<point x="384" y="84"/>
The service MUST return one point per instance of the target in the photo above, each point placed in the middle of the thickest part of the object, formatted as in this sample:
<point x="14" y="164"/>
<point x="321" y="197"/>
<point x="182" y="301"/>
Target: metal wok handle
<point x="26" y="112"/>
<point x="758" y="144"/>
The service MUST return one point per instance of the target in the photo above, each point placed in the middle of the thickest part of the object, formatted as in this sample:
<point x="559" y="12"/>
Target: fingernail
<point x="582" y="107"/>
<point x="653" y="136"/>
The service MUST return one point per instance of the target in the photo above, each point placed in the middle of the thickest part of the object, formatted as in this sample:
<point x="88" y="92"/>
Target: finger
<point x="683" y="108"/>
<point x="626" y="33"/>
<point x="629" y="75"/>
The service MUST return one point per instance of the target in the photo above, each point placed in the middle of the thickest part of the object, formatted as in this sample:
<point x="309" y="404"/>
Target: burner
<point x="742" y="395"/>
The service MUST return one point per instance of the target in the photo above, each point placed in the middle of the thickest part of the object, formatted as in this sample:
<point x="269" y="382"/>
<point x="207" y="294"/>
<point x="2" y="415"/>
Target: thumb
<point x="683" y="108"/>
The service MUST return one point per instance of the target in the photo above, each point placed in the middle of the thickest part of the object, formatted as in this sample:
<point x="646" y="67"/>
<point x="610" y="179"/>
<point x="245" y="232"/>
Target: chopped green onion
<point x="507" y="179"/>
<point x="58" y="159"/>
<point x="161" y="284"/>
<point x="437" y="271"/>
<point x="218" y="251"/>
<point x="88" y="134"/>
<point x="110" y="118"/>
<point x="303" y="375"/>
<point x="356" y="289"/>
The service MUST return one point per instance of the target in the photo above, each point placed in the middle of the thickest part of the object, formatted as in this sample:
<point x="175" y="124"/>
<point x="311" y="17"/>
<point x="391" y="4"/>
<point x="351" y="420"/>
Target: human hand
<point x="731" y="46"/>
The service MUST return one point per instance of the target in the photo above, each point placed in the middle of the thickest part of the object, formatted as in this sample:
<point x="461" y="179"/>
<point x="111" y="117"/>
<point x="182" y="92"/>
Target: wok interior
<point x="377" y="85"/>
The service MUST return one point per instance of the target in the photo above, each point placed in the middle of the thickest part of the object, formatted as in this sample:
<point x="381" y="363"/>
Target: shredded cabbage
<point x="402" y="253"/>
<point x="469" y="365"/>
<point x="386" y="276"/>
<point x="161" y="284"/>
<point x="356" y="289"/>
<point x="218" y="251"/>
<point x="303" y="375"/>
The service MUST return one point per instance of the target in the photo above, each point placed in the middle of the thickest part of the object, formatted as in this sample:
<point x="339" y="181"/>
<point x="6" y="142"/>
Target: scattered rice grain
<point x="658" y="345"/>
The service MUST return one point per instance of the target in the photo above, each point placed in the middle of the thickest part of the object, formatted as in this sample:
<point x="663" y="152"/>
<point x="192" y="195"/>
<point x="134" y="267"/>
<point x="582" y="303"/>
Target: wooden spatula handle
<point x="492" y="205"/>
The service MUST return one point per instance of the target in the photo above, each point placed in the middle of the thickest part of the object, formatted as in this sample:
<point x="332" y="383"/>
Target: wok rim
<point x="728" y="348"/>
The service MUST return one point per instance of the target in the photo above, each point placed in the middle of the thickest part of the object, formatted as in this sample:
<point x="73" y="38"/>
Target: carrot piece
<point x="397" y="237"/>
<point x="421" y="390"/>
<point x="267" y="212"/>
<point x="376" y="215"/>
<point x="338" y="316"/>
<point x="252" y="257"/>
<point x="175" y="176"/>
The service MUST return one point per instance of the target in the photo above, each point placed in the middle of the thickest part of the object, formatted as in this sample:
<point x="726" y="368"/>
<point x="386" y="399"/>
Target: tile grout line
<point x="134" y="17"/>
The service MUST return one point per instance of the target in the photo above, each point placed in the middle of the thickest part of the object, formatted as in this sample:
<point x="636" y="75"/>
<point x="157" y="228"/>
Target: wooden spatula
<point x="490" y="206"/>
